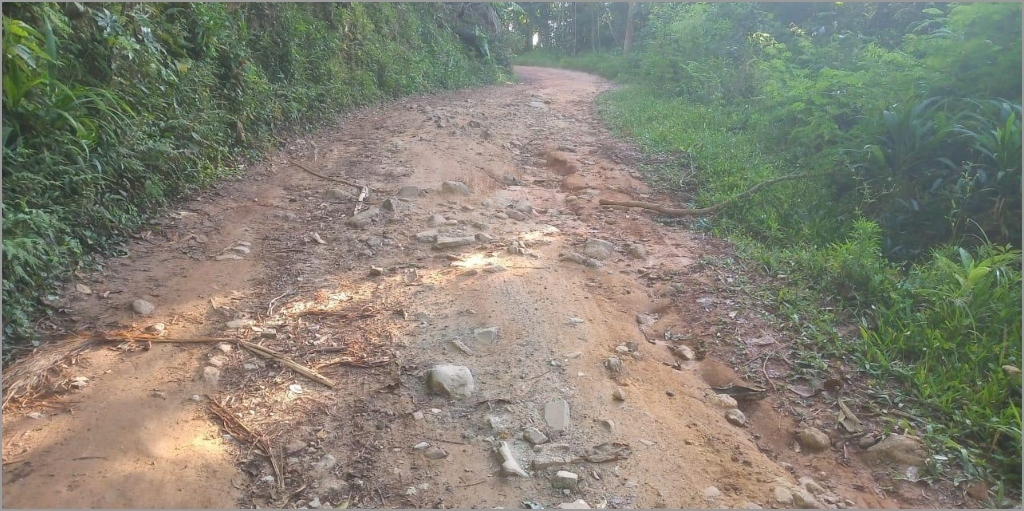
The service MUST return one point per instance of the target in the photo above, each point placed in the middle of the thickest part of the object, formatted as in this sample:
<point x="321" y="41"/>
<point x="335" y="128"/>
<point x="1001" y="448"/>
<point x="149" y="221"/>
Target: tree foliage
<point x="111" y="110"/>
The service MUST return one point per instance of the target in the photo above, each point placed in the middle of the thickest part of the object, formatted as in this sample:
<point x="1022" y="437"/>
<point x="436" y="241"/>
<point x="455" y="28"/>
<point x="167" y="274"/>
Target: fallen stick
<point x="236" y="427"/>
<point x="710" y="210"/>
<point x="335" y="179"/>
<point x="287" y="362"/>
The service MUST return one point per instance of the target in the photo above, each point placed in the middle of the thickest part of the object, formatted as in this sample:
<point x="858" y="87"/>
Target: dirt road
<point x="373" y="302"/>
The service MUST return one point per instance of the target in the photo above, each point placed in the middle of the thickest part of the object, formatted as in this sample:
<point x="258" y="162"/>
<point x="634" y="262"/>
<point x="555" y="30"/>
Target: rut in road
<point x="373" y="303"/>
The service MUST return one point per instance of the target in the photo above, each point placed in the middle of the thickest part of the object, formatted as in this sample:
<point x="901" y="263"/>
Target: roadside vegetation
<point x="113" y="110"/>
<point x="907" y="119"/>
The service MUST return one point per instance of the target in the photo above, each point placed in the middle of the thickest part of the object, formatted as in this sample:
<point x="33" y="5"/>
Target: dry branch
<point x="335" y="179"/>
<point x="710" y="210"/>
<point x="287" y="362"/>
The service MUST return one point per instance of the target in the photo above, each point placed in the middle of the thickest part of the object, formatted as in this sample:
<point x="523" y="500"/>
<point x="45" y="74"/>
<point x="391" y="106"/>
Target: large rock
<point x="452" y="380"/>
<point x="899" y="449"/>
<point x="598" y="249"/>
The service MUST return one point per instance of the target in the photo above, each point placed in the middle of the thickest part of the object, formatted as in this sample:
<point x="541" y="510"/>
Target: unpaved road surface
<point x="374" y="304"/>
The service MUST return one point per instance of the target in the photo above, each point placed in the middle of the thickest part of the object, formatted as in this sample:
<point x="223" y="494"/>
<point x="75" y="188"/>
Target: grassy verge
<point x="934" y="336"/>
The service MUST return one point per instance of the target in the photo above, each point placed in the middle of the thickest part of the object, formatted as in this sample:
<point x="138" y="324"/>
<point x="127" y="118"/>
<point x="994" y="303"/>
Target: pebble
<point x="813" y="439"/>
<point x="563" y="479"/>
<point x="421" y="446"/>
<point x="35" y="415"/>
<point x="211" y="375"/>
<point x="577" y="504"/>
<point x="249" y="366"/>
<point x="867" y="441"/>
<point x="315" y="503"/>
<point x="156" y="328"/>
<point x="143" y="307"/>
<point x="736" y="417"/>
<point x="225" y="347"/>
<point x="336" y="194"/>
<point x="524" y="206"/>
<point x="417" y="415"/>
<point x="783" y="496"/>
<point x="436" y="220"/>
<point x="390" y="205"/>
<point x="218" y="360"/>
<point x="670" y="393"/>
<point x="365" y="218"/>
<point x="294" y="446"/>
<point x="811" y="486"/>
<point x="483" y="237"/>
<point x="684" y="352"/>
<point x="376" y="271"/>
<point x="426" y="236"/>
<point x="409" y="192"/>
<point x="712" y="493"/>
<point x="900" y="449"/>
<point x="516" y="215"/>
<point x="556" y="414"/>
<point x="619" y="394"/>
<point x="613" y="364"/>
<point x="598" y="249"/>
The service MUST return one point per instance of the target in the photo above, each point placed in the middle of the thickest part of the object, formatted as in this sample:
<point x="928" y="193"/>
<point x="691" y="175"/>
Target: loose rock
<point x="225" y="347"/>
<point x="483" y="237"/>
<point x="524" y="206"/>
<point x="365" y="218"/>
<point x="426" y="236"/>
<point x="684" y="352"/>
<point x="783" y="496"/>
<point x="736" y="417"/>
<point x="867" y="441"/>
<point x="535" y="436"/>
<point x="900" y="449"/>
<point x="436" y="220"/>
<point x="722" y="400"/>
<point x="444" y="242"/>
<point x="712" y="493"/>
<point x="578" y="504"/>
<point x="598" y="249"/>
<point x="391" y="205"/>
<point x="156" y="328"/>
<point x="516" y="215"/>
<point x="613" y="364"/>
<point x="211" y="375"/>
<point x="409" y="192"/>
<point x="556" y="415"/>
<point x="336" y="194"/>
<point x="376" y="271"/>
<point x="455" y="187"/>
<point x="488" y="334"/>
<point x="564" y="479"/>
<point x="240" y="323"/>
<point x="435" y="453"/>
<point x="813" y="439"/>
<point x="218" y="360"/>
<point x="636" y="251"/>
<point x="453" y="380"/>
<point x="619" y="394"/>
<point x="143" y="307"/>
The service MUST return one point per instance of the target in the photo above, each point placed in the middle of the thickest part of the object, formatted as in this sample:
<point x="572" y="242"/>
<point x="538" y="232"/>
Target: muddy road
<point x="574" y="366"/>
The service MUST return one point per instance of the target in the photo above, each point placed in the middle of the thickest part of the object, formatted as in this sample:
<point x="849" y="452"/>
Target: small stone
<point x="598" y="249"/>
<point x="722" y="401"/>
<point x="390" y="205"/>
<point x="622" y="348"/>
<point x="712" y="493"/>
<point x="783" y="496"/>
<point x="535" y="436"/>
<point x="488" y="334"/>
<point x="228" y="257"/>
<point x="547" y="461"/>
<point x="516" y="215"/>
<point x="608" y="423"/>
<point x="802" y="499"/>
<point x="577" y="504"/>
<point x="751" y="505"/>
<point x="564" y="479"/>
<point x="684" y="352"/>
<point x="435" y="453"/>
<point x="453" y="380"/>
<point x="613" y="364"/>
<point x="636" y="251"/>
<point x="813" y="439"/>
<point x="867" y="441"/>
<point x="670" y="393"/>
<point x="811" y="486"/>
<point x="417" y="415"/>
<point x="240" y="323"/>
<point x="483" y="237"/>
<point x="249" y="366"/>
<point x="736" y="417"/>
<point x="336" y="194"/>
<point x="376" y="271"/>
<point x="455" y="187"/>
<point x="409" y="192"/>
<point x="436" y="220"/>
<point x="542" y="106"/>
<point x="156" y="328"/>
<point x="225" y="347"/>
<point x="364" y="218"/>
<point x="218" y="360"/>
<point x="619" y="394"/>
<point x="426" y="236"/>
<point x="524" y="206"/>
<point x="315" y="503"/>
<point x="978" y="490"/>
<point x="444" y="242"/>
<point x="556" y="415"/>
<point x="35" y="415"/>
<point x="143" y="307"/>
<point x="294" y="446"/>
<point x="211" y="375"/>
<point x="422" y="446"/>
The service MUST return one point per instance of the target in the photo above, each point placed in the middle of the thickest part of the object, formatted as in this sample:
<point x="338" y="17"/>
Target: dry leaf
<point x="84" y="289"/>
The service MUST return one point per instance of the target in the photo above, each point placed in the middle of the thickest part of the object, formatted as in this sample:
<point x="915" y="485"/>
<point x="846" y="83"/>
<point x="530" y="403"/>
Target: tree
<point x="627" y="45"/>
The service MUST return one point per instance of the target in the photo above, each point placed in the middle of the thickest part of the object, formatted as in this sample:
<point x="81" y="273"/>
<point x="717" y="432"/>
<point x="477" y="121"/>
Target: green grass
<point x="933" y="337"/>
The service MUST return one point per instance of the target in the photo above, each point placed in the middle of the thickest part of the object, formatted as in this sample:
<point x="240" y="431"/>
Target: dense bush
<point x="112" y="110"/>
